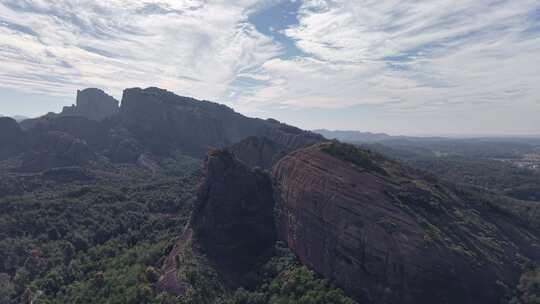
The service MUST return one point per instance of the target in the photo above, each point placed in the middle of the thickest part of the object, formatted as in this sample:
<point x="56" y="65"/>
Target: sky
<point x="426" y="67"/>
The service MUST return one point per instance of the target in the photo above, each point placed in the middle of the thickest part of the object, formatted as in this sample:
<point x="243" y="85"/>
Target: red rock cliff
<point x="388" y="235"/>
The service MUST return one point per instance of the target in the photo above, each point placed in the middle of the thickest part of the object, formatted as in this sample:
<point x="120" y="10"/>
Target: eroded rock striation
<point x="387" y="234"/>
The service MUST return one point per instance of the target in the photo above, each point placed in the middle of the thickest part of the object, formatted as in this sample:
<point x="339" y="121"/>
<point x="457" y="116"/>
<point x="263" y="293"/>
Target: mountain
<point x="11" y="141"/>
<point x="158" y="122"/>
<point x="229" y="230"/>
<point x="163" y="121"/>
<point x="354" y="136"/>
<point x="17" y="118"/>
<point x="168" y="199"/>
<point x="20" y="118"/>
<point x="383" y="232"/>
<point x="56" y="149"/>
<point x="389" y="234"/>
<point x="93" y="104"/>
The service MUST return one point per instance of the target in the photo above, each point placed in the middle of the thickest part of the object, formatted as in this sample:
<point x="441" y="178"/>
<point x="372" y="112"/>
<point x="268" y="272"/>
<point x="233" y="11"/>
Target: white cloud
<point x="192" y="47"/>
<point x="421" y="56"/>
<point x="414" y="57"/>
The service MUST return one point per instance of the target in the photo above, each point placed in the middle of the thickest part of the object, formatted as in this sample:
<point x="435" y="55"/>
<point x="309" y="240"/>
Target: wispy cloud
<point x="400" y="56"/>
<point x="55" y="47"/>
<point x="410" y="55"/>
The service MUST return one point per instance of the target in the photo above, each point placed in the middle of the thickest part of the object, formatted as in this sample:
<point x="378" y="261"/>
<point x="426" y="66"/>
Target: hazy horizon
<point x="446" y="135"/>
<point x="430" y="68"/>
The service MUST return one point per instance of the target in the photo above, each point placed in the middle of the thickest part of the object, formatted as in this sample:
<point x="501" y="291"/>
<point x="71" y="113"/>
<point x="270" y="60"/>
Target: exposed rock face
<point x="159" y="122"/>
<point x="10" y="130"/>
<point x="11" y="137"/>
<point x="56" y="149"/>
<point x="232" y="225"/>
<point x="164" y="121"/>
<point x="290" y="137"/>
<point x="258" y="152"/>
<point x="388" y="235"/>
<point x="93" y="104"/>
<point x="233" y="218"/>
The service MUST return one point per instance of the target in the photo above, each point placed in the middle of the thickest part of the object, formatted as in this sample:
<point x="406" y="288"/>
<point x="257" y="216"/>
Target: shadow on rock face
<point x="234" y="213"/>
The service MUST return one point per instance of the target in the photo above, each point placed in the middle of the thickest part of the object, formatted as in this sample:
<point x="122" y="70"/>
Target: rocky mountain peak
<point x="9" y="130"/>
<point x="11" y="137"/>
<point x="93" y="104"/>
<point x="233" y="218"/>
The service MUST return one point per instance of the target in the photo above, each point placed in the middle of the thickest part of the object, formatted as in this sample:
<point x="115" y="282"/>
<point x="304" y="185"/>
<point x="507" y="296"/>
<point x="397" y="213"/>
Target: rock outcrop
<point x="387" y="234"/>
<point x="231" y="228"/>
<point x="11" y="138"/>
<point x="258" y="152"/>
<point x="233" y="217"/>
<point x="159" y="122"/>
<point x="163" y="121"/>
<point x="93" y="104"/>
<point x="290" y="137"/>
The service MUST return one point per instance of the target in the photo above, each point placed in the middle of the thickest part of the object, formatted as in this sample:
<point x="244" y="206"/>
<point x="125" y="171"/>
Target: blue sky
<point x="402" y="67"/>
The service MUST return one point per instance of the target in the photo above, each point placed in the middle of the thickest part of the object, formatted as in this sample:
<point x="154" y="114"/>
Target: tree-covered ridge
<point x="507" y="175"/>
<point x="97" y="241"/>
<point x="359" y="157"/>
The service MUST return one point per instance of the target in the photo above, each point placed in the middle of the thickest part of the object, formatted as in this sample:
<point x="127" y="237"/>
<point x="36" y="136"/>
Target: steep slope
<point x="163" y="121"/>
<point x="258" y="151"/>
<point x="11" y="138"/>
<point x="388" y="234"/>
<point x="93" y="104"/>
<point x="235" y="227"/>
<point x="231" y="228"/>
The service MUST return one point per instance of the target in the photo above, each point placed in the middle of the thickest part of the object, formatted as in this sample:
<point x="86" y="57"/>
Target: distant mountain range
<point x="368" y="137"/>
<point x="353" y="136"/>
